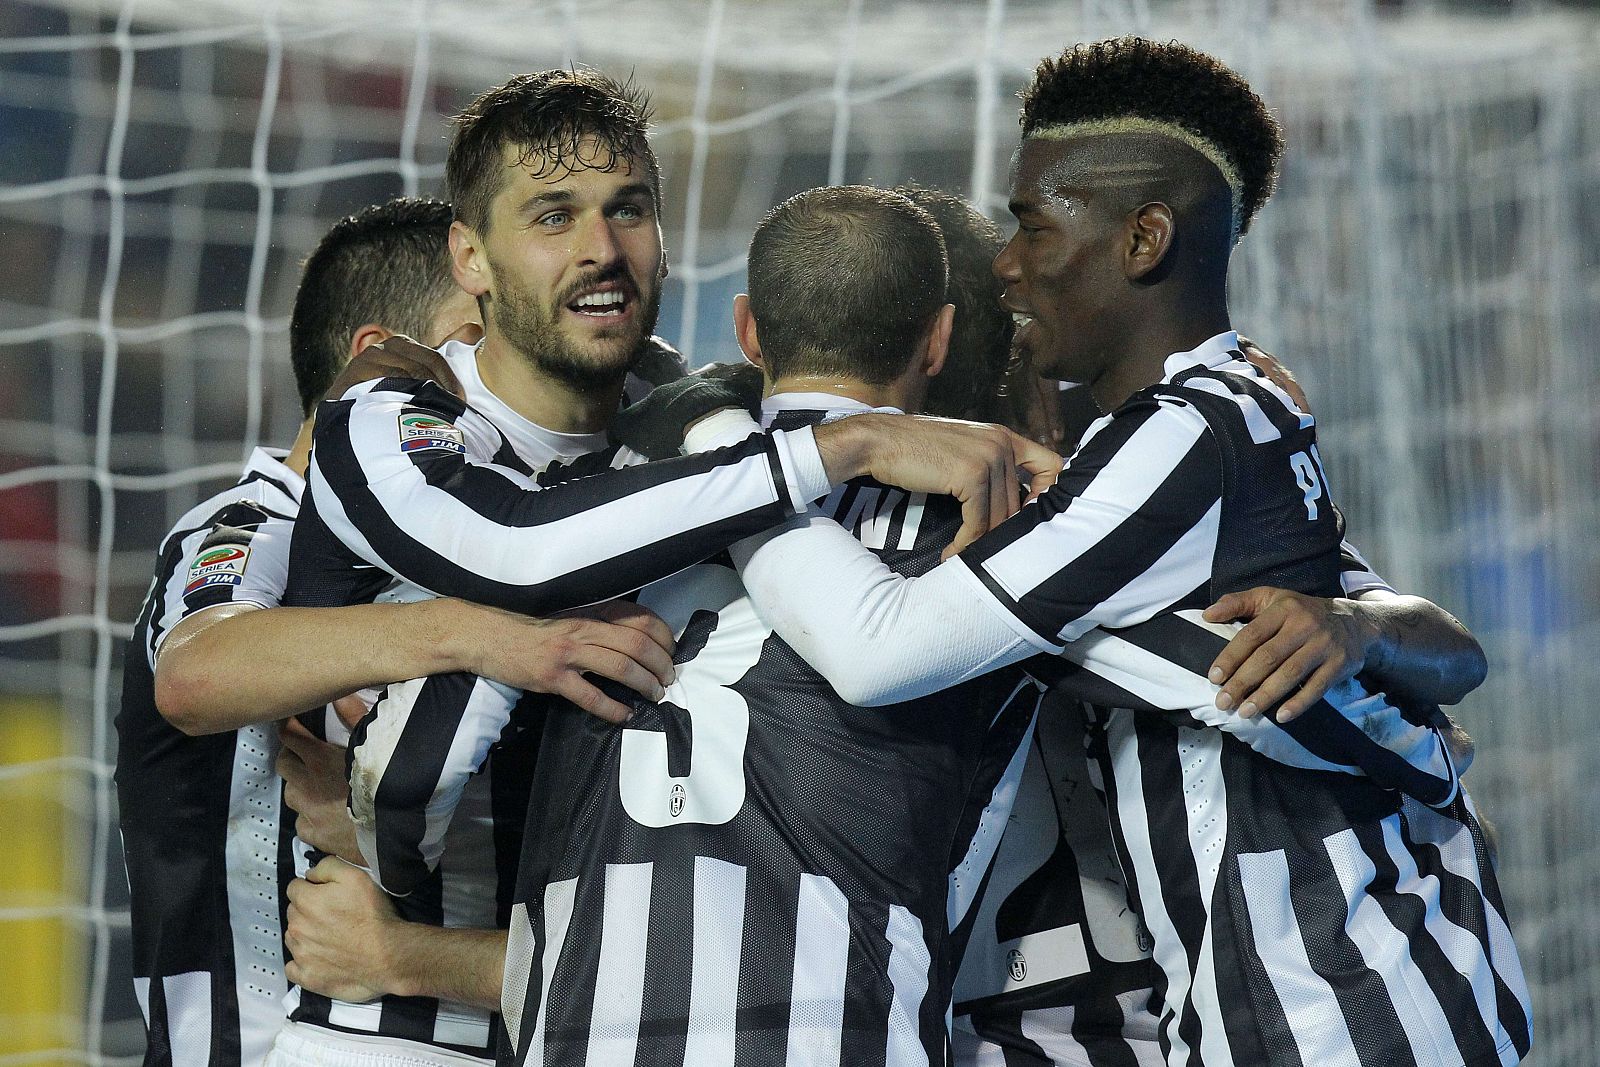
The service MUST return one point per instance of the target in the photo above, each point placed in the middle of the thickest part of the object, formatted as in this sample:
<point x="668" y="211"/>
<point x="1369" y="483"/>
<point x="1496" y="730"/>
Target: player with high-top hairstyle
<point x="1314" y="881"/>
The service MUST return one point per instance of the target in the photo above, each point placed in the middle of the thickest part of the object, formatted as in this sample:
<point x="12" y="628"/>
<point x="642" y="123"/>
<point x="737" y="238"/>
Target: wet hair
<point x="387" y="264"/>
<point x="845" y="280"/>
<point x="1129" y="83"/>
<point x="970" y="386"/>
<point x="545" y="117"/>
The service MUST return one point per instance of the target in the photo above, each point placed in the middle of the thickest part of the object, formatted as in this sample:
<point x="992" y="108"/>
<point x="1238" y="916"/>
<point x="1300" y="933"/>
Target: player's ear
<point x="366" y="335"/>
<point x="1148" y="238"/>
<point x="468" y="262"/>
<point x="937" y="347"/>
<point x="744" y="328"/>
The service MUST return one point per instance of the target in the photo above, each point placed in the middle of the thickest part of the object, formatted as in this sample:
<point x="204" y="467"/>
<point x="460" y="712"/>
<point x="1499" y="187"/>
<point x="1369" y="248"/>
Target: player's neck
<point x="548" y="400"/>
<point x="1146" y="341"/>
<point x="299" y="457"/>
<point x="895" y="394"/>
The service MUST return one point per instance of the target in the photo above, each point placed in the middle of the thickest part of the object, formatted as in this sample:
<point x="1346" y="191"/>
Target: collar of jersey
<point x="1212" y="352"/>
<point x="834" y="404"/>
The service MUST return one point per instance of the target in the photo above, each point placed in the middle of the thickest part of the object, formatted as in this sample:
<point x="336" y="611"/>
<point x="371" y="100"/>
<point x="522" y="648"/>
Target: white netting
<point x="1429" y="266"/>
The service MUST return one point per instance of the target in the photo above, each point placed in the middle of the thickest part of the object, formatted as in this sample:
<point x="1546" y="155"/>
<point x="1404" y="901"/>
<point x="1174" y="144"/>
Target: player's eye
<point x="628" y="213"/>
<point x="555" y="219"/>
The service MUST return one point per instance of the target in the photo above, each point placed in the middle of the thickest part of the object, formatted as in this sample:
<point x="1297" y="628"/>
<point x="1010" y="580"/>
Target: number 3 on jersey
<point x="713" y="790"/>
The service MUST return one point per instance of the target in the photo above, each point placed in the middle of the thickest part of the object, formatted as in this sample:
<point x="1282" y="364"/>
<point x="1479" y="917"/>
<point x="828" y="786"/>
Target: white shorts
<point x="304" y="1045"/>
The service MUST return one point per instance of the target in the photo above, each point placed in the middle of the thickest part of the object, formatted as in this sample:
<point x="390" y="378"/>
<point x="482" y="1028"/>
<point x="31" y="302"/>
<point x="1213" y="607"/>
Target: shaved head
<point x="1115" y="173"/>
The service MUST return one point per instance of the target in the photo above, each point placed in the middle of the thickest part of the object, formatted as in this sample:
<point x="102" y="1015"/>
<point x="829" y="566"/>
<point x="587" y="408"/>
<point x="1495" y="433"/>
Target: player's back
<point x="752" y="870"/>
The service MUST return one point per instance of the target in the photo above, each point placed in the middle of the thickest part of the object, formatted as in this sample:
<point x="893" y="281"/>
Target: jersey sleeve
<point x="242" y="556"/>
<point x="406" y="476"/>
<point x="1129" y="529"/>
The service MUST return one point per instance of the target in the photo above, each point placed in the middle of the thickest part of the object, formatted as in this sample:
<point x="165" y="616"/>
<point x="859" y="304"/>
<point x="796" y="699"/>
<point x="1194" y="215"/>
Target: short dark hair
<point x="387" y="264"/>
<point x="1130" y="77"/>
<point x="970" y="386"/>
<point x="544" y="115"/>
<point x="845" y="280"/>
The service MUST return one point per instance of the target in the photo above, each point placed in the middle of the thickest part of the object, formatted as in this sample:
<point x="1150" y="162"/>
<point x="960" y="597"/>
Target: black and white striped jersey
<point x="200" y="817"/>
<point x="1057" y="969"/>
<point x="753" y="871"/>
<point x="472" y="847"/>
<point x="1297" y="915"/>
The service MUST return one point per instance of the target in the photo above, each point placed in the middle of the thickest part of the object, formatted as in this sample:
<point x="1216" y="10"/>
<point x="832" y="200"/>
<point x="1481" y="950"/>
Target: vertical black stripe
<point x="1178" y="880"/>
<point x="867" y="991"/>
<point x="1462" y="903"/>
<point x="1362" y="997"/>
<point x="158" y="1043"/>
<point x="412" y="774"/>
<point x="569" y="1002"/>
<point x="766" y="971"/>
<point x="668" y="964"/>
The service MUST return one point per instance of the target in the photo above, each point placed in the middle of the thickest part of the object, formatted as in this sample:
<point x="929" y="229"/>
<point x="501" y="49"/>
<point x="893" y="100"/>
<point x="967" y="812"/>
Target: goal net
<point x="1430" y="267"/>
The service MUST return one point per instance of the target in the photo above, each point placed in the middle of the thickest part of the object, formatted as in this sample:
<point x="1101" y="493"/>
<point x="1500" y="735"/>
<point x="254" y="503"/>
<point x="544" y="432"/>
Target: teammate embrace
<point x="775" y="837"/>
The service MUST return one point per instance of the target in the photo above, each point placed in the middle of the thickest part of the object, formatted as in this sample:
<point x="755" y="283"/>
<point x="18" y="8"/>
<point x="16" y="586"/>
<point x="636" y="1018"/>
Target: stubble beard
<point x="534" y="332"/>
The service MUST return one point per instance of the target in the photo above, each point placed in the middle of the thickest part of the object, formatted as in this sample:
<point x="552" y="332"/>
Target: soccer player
<point x="413" y="492"/>
<point x="1301" y="909"/>
<point x="200" y="816"/>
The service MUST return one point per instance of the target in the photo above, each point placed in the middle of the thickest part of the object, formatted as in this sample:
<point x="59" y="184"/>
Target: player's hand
<point x="314" y="785"/>
<point x="1276" y="372"/>
<point x="618" y="640"/>
<point x="656" y="425"/>
<point x="339" y="930"/>
<point x="975" y="462"/>
<point x="401" y="357"/>
<point x="1294" y="646"/>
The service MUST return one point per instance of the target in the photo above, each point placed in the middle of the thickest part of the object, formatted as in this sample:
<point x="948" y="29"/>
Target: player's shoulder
<point x="266" y="491"/>
<point x="1236" y="392"/>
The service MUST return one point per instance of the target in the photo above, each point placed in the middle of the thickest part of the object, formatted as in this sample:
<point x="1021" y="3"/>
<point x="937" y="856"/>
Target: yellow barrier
<point x="41" y="950"/>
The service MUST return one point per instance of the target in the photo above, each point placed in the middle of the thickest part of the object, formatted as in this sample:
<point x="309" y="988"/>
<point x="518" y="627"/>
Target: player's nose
<point x="597" y="243"/>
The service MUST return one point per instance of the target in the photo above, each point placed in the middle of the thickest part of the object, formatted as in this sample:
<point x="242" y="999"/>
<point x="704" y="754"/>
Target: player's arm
<point x="348" y="943"/>
<point x="1294" y="648"/>
<point x="426" y="501"/>
<point x="1065" y="564"/>
<point x="230" y="666"/>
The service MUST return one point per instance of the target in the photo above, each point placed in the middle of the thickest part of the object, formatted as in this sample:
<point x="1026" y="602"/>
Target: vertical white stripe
<point x="1460" y="856"/>
<point x="1459" y="945"/>
<point x="619" y="985"/>
<point x="1320" y="1033"/>
<point x="821" y="956"/>
<point x="719" y="893"/>
<point x="250" y="850"/>
<point x="909" y="962"/>
<point x="1134" y="821"/>
<point x="518" y="969"/>
<point x="1387" y="951"/>
<point x="558" y="901"/>
<point x="189" y="1017"/>
<point x="141" y="993"/>
<point x="1206" y="810"/>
